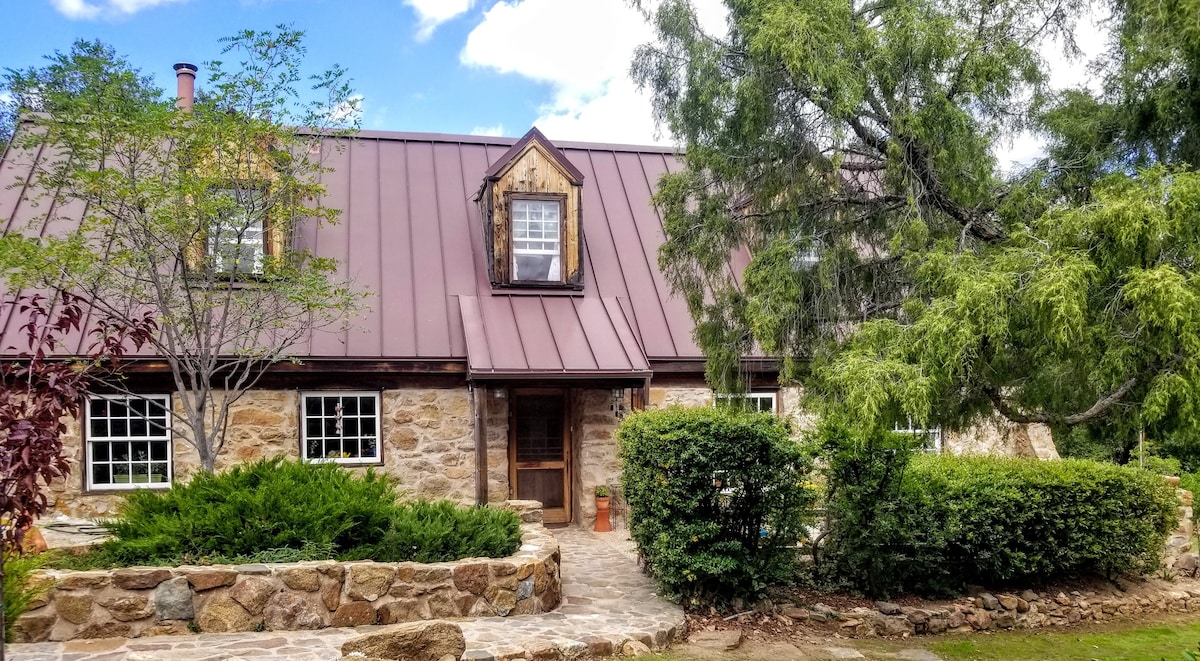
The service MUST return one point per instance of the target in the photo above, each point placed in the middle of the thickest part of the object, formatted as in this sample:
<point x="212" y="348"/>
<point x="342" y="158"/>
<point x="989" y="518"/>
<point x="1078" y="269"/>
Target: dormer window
<point x="536" y="240"/>
<point x="237" y="242"/>
<point x="531" y="202"/>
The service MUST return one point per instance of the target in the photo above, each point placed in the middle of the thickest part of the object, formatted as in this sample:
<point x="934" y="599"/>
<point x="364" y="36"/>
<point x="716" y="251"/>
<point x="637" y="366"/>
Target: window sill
<point x="534" y="289"/>
<point x="114" y="490"/>
<point x="348" y="463"/>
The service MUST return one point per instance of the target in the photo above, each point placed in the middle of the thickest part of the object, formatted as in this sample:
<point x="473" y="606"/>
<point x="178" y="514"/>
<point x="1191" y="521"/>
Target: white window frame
<point x="758" y="397"/>
<point x="245" y="229"/>
<point x="555" y="275"/>
<point x="932" y="435"/>
<point x="93" y="440"/>
<point x="304" y="417"/>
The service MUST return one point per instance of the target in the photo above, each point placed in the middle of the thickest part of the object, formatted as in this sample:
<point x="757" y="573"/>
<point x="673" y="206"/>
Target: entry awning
<point x="550" y="337"/>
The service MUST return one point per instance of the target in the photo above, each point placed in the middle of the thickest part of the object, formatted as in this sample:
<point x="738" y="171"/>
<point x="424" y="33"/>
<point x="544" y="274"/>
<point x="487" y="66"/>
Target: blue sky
<point x="446" y="66"/>
<point x="492" y="67"/>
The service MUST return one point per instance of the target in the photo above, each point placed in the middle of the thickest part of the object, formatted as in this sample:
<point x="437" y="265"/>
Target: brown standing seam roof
<point x="411" y="236"/>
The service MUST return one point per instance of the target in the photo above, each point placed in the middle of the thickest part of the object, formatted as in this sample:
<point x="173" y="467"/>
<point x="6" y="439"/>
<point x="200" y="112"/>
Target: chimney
<point x="185" y="80"/>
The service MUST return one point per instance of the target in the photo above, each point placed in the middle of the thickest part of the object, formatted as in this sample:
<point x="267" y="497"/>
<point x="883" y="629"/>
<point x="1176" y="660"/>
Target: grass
<point x="1145" y="643"/>
<point x="1129" y="641"/>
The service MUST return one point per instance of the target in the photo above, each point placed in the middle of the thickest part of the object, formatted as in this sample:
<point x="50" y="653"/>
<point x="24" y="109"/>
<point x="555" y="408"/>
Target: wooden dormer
<point x="532" y="208"/>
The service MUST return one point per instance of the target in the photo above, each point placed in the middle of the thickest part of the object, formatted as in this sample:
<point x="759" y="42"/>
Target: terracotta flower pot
<point x="603" y="522"/>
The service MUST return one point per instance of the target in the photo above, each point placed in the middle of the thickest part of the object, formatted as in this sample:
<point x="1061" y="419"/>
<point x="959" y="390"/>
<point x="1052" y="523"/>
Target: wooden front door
<point x="539" y="451"/>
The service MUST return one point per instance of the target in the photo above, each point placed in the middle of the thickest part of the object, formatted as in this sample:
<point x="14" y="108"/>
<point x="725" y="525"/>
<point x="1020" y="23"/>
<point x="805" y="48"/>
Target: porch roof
<point x="511" y="336"/>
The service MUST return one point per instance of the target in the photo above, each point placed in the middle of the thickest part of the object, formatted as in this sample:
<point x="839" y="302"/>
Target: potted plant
<point x="603" y="521"/>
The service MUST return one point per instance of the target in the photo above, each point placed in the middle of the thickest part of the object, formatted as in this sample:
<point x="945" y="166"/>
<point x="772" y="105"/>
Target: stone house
<point x="516" y="313"/>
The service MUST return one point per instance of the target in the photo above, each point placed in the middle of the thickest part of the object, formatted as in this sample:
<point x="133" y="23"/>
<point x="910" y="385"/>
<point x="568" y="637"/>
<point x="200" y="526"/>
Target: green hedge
<point x="992" y="520"/>
<point x="277" y="510"/>
<point x="19" y="592"/>
<point x="716" y="498"/>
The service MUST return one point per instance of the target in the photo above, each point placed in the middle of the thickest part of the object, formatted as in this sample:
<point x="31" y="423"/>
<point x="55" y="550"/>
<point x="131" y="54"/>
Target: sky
<point x="489" y="67"/>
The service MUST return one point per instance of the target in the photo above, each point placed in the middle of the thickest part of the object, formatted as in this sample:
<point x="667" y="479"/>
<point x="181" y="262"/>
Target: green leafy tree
<point x="847" y="146"/>
<point x="191" y="214"/>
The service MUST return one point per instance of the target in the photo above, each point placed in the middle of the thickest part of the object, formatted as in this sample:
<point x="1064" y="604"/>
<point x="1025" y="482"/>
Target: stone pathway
<point x="606" y="601"/>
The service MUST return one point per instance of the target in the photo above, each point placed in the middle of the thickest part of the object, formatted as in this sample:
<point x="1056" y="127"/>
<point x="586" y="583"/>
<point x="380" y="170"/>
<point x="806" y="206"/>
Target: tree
<point x="37" y="392"/>
<point x="193" y="214"/>
<point x="90" y="73"/>
<point x="847" y="144"/>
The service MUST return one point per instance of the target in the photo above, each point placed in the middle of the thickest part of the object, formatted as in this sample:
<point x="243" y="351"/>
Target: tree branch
<point x="1097" y="409"/>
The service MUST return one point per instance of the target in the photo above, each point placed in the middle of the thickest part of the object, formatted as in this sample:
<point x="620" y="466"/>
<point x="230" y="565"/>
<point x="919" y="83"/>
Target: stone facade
<point x="595" y="449"/>
<point x="1002" y="437"/>
<point x="427" y="443"/>
<point x="148" y="601"/>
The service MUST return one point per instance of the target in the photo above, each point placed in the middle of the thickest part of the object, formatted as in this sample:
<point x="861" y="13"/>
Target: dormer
<point x="531" y="204"/>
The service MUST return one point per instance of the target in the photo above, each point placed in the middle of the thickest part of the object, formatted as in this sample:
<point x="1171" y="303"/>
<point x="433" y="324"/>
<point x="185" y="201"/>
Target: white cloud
<point x="348" y="112"/>
<point x="92" y="9"/>
<point x="432" y="13"/>
<point x="490" y="131"/>
<point x="582" y="48"/>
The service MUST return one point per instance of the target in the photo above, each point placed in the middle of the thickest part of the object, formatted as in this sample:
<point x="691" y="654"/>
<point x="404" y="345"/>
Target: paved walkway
<point x="606" y="601"/>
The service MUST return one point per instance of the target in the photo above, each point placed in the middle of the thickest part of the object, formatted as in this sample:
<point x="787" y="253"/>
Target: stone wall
<point x="497" y="444"/>
<point x="147" y="601"/>
<point x="427" y="441"/>
<point x="1001" y="436"/>
<point x="595" y="450"/>
<point x="1020" y="610"/>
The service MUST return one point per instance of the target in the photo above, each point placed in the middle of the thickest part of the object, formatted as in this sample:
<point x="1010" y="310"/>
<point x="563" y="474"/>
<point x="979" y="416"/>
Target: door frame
<point x="565" y="513"/>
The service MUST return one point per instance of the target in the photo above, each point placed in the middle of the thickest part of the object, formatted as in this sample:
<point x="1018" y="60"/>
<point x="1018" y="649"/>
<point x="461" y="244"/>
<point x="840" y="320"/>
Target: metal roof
<point x="410" y="235"/>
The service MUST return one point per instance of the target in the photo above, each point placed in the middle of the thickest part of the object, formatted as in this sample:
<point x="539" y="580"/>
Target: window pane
<point x="98" y="427"/>
<point x="120" y="451"/>
<point x="350" y="406"/>
<point x="368" y="406"/>
<point x="158" y="451"/>
<point x="139" y="427"/>
<point x="98" y="407"/>
<point x="119" y="428"/>
<point x="312" y="406"/>
<point x="159" y="473"/>
<point x="101" y="474"/>
<point x="100" y="451"/>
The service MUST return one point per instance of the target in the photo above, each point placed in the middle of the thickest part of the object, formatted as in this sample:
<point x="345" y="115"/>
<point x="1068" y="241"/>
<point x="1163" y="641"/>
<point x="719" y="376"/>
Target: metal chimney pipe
<point x="185" y="80"/>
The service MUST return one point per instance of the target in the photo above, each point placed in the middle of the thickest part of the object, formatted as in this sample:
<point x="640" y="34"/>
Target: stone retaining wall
<point x="1028" y="610"/>
<point x="148" y="601"/>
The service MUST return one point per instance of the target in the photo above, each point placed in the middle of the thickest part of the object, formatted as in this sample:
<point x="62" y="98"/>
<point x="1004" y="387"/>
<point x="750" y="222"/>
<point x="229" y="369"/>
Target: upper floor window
<point x="128" y="442"/>
<point x="237" y="240"/>
<point x="531" y="203"/>
<point x="341" y="427"/>
<point x="756" y="402"/>
<point x="537" y="240"/>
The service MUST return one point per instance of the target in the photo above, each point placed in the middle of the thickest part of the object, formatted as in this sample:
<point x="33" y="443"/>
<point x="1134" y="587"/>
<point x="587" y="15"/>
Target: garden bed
<point x="148" y="601"/>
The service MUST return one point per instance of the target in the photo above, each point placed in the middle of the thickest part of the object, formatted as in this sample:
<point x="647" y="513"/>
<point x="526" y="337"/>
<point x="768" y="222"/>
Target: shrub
<point x="716" y="498"/>
<point x="277" y="510"/>
<point x="950" y="520"/>
<point x="423" y="531"/>
<point x="18" y="592"/>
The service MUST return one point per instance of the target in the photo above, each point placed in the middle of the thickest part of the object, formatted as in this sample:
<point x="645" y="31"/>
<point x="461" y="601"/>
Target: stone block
<point x="139" y="579"/>
<point x="431" y="574"/>
<point x="401" y="610"/>
<point x="74" y="607"/>
<point x="302" y="579"/>
<point x="173" y="600"/>
<point x="89" y="580"/>
<point x="127" y="607"/>
<point x="253" y="593"/>
<point x="106" y="629"/>
<point x="354" y="614"/>
<point x="292" y="612"/>
<point x="33" y="627"/>
<point x="411" y="641"/>
<point x="369" y="581"/>
<point x="208" y="579"/>
<point x="221" y="614"/>
<point x="331" y="594"/>
<point x="501" y="600"/>
<point x="473" y="577"/>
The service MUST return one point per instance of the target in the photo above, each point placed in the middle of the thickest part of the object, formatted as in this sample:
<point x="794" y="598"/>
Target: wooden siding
<point x="534" y="172"/>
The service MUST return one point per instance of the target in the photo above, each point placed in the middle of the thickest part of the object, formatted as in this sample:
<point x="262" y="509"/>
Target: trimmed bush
<point x="422" y="531"/>
<point x="716" y="499"/>
<point x="277" y="510"/>
<point x="947" y="521"/>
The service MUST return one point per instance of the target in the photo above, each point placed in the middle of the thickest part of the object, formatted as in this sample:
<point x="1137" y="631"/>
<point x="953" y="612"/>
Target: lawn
<point x="1129" y="641"/>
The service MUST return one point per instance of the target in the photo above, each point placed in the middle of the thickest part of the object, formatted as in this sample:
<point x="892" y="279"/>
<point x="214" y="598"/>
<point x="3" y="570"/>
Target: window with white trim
<point x="536" y="240"/>
<point x="128" y="441"/>
<point x="341" y="427"/>
<point x="933" y="435"/>
<point x="237" y="243"/>
<point x="758" y="402"/>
